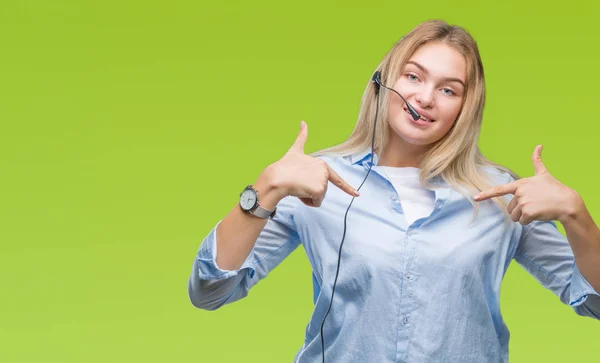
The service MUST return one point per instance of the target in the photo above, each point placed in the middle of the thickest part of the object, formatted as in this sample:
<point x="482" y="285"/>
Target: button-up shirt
<point x="428" y="291"/>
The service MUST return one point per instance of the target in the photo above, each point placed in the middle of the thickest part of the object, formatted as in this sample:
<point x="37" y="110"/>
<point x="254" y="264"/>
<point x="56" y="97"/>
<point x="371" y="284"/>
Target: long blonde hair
<point x="456" y="157"/>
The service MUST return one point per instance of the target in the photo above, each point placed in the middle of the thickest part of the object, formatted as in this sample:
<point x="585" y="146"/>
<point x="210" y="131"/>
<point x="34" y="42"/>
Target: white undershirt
<point x="417" y="201"/>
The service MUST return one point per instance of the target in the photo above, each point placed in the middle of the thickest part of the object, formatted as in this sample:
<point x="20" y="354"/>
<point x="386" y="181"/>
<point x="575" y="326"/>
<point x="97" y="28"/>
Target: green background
<point x="129" y="128"/>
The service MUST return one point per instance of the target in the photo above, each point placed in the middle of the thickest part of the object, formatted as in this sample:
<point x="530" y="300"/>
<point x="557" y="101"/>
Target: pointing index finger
<point x="498" y="191"/>
<point x="341" y="183"/>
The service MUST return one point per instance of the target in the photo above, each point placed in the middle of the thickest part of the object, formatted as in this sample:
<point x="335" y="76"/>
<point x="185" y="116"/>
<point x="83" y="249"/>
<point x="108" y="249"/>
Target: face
<point x="433" y="83"/>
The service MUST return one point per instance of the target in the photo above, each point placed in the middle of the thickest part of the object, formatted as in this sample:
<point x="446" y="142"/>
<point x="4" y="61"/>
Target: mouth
<point x="421" y="118"/>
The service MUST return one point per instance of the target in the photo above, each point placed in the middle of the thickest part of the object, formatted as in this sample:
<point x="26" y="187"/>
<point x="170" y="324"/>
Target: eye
<point x="448" y="92"/>
<point x="412" y="77"/>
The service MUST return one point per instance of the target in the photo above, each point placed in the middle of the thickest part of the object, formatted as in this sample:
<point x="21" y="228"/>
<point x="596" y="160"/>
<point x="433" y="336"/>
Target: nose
<point x="425" y="97"/>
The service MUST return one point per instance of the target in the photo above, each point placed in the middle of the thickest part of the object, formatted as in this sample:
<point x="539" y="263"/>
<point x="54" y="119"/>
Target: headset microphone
<point x="376" y="79"/>
<point x="377" y="82"/>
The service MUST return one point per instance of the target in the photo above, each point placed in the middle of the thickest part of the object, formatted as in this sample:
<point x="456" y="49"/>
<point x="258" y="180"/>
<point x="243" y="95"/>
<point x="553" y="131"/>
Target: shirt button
<point x="393" y="196"/>
<point x="405" y="321"/>
<point x="407" y="275"/>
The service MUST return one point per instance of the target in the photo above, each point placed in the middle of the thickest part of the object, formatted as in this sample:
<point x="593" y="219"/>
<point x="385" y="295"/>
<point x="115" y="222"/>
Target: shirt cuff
<point x="207" y="260"/>
<point x="580" y="288"/>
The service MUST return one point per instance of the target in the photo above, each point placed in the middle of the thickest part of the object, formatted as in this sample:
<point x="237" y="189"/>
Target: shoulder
<point x="336" y="161"/>
<point x="497" y="175"/>
<point x="345" y="157"/>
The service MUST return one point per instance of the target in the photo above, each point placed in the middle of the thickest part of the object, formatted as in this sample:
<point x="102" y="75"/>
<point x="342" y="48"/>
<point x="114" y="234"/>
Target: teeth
<point x="422" y="117"/>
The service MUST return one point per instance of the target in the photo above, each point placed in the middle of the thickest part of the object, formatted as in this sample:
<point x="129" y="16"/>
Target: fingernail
<point x="476" y="197"/>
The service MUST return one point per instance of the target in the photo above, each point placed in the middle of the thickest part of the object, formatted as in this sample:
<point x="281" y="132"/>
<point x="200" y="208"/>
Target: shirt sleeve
<point x="210" y="287"/>
<point x="546" y="254"/>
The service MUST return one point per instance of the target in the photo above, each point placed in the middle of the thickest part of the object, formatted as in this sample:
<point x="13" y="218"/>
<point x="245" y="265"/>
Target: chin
<point x="417" y="142"/>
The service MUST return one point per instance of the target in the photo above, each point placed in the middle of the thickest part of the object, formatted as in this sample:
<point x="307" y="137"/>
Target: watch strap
<point x="263" y="213"/>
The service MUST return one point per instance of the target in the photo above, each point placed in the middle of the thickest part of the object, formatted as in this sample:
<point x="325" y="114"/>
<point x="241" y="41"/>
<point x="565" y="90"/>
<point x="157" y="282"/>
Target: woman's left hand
<point x="540" y="197"/>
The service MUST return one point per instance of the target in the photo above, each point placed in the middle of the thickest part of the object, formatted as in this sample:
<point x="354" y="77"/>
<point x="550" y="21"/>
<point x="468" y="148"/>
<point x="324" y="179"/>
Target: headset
<point x="376" y="80"/>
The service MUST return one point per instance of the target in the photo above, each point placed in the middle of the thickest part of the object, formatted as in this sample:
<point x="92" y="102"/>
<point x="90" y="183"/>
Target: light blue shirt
<point x="425" y="292"/>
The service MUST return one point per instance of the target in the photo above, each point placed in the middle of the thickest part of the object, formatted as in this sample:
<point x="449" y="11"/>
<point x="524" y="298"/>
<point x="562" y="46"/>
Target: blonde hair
<point x="456" y="157"/>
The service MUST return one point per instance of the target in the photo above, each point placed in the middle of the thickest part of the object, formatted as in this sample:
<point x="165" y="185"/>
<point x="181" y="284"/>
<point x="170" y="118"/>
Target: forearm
<point x="238" y="231"/>
<point x="584" y="237"/>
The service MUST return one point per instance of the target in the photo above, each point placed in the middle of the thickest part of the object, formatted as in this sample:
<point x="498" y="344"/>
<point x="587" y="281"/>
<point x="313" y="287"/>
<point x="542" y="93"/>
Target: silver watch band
<point x="263" y="213"/>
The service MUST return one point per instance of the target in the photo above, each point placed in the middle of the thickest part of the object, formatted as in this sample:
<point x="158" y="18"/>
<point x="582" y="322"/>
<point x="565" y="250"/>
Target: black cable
<point x="415" y="115"/>
<point x="344" y="234"/>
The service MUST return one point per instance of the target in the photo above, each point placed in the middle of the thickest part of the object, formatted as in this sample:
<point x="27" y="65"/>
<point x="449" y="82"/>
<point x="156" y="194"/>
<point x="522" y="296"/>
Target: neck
<point x="398" y="153"/>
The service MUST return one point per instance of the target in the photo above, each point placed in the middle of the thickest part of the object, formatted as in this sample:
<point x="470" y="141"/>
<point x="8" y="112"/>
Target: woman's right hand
<point x="303" y="176"/>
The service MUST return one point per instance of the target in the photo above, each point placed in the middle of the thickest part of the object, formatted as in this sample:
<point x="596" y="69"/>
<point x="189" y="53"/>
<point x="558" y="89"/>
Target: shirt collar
<point x="364" y="158"/>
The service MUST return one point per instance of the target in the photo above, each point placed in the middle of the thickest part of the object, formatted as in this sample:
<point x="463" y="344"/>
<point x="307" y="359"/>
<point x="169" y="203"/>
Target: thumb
<point x="538" y="164"/>
<point x="298" y="145"/>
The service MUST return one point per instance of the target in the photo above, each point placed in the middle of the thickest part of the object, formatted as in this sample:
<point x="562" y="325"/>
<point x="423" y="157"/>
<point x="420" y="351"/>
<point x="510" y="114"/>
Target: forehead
<point x="441" y="60"/>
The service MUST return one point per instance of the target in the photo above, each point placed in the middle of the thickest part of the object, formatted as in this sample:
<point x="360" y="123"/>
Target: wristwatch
<point x="249" y="204"/>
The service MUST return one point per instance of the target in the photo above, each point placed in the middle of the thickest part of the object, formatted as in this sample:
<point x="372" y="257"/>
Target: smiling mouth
<point x="420" y="118"/>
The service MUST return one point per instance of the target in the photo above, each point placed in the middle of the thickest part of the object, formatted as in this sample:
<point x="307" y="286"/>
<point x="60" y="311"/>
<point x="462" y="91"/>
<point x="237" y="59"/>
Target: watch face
<point x="248" y="199"/>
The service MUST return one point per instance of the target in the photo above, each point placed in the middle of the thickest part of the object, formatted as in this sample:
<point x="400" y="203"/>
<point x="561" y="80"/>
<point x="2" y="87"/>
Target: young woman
<point x="408" y="228"/>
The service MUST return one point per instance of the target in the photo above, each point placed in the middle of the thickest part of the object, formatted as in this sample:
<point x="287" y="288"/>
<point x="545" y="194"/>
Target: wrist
<point x="269" y="191"/>
<point x="573" y="210"/>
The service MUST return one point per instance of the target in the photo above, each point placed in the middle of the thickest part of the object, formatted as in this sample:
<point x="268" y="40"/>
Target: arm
<point x="242" y="248"/>
<point x="240" y="245"/>
<point x="238" y="231"/>
<point x="229" y="261"/>
<point x="584" y="237"/>
<point x="547" y="255"/>
<point x="569" y="267"/>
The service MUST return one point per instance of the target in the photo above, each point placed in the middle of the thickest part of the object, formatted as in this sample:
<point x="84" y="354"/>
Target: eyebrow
<point x="448" y="79"/>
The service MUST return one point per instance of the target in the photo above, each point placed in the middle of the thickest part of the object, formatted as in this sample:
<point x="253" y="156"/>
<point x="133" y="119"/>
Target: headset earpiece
<point x="376" y="79"/>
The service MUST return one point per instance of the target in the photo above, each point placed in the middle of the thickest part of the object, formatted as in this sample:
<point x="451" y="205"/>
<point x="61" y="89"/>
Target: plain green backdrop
<point x="130" y="127"/>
